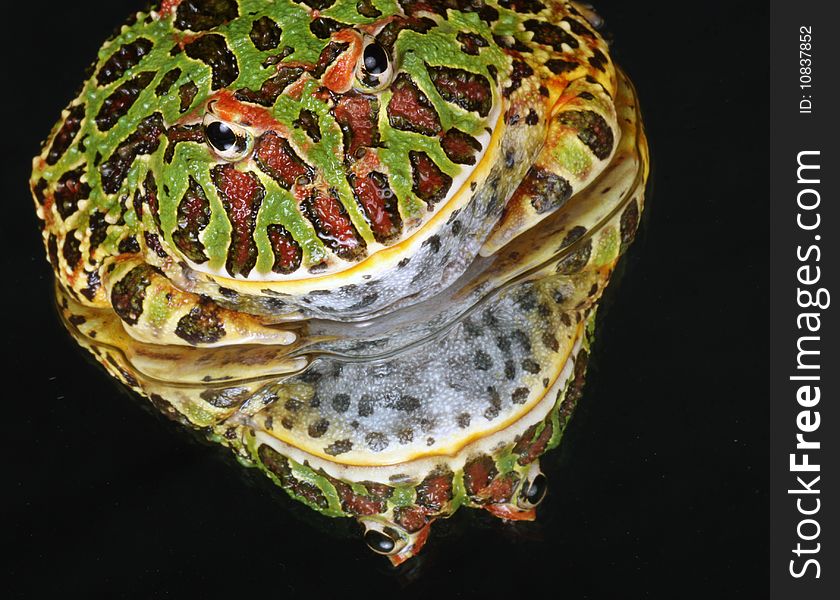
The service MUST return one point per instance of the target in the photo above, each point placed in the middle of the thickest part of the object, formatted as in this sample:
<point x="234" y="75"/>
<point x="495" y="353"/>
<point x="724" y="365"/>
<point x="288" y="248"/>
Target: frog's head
<point x="305" y="138"/>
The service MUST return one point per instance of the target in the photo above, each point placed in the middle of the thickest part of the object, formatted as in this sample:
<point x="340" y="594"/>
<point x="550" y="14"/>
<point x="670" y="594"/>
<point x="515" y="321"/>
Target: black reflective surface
<point x="658" y="490"/>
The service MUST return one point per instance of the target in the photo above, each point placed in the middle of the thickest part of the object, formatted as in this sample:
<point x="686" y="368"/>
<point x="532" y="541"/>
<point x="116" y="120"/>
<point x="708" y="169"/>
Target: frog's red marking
<point x="511" y="513"/>
<point x="226" y="107"/>
<point x="434" y="494"/>
<point x="478" y="474"/>
<point x="460" y="147"/>
<point x="409" y="109"/>
<point x="534" y="449"/>
<point x="295" y="90"/>
<point x="328" y="55"/>
<point x="356" y="114"/>
<point x="167" y="7"/>
<point x="185" y="39"/>
<point x="522" y="443"/>
<point x="376" y="26"/>
<point x="357" y="504"/>
<point x="332" y="225"/>
<point x="241" y="193"/>
<point x="417" y="545"/>
<point x="435" y="491"/>
<point x="410" y="518"/>
<point x="430" y="183"/>
<point x="468" y="90"/>
<point x="379" y="203"/>
<point x="501" y="489"/>
<point x="276" y="158"/>
<point x="338" y="76"/>
<point x="193" y="216"/>
<point x="287" y="252"/>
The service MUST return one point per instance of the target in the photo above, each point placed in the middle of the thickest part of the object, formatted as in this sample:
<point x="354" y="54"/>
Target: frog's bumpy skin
<point x="360" y="243"/>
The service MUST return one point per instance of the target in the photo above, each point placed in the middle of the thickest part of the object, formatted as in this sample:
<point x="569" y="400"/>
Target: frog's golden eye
<point x="384" y="540"/>
<point x="375" y="69"/>
<point x="533" y="491"/>
<point x="230" y="142"/>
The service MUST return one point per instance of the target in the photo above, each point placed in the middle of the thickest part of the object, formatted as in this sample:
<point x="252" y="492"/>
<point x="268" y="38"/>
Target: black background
<point x="659" y="489"/>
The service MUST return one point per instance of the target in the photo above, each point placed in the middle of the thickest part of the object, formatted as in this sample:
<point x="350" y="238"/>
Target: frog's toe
<point x="391" y="540"/>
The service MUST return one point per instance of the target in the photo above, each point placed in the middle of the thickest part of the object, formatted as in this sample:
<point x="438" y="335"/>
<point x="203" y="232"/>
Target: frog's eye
<point x="383" y="539"/>
<point x="230" y="142"/>
<point x="375" y="69"/>
<point x="533" y="491"/>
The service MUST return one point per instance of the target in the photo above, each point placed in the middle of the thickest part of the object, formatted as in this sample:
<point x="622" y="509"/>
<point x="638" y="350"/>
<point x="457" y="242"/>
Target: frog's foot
<point x="153" y="310"/>
<point x="389" y="539"/>
<point x="580" y="142"/>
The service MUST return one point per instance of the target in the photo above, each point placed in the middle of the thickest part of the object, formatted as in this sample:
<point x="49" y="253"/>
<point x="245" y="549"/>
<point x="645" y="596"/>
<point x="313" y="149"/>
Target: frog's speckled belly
<point x="448" y="402"/>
